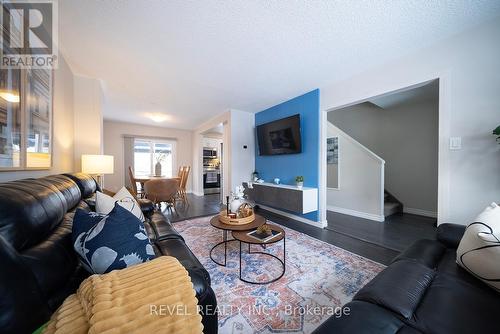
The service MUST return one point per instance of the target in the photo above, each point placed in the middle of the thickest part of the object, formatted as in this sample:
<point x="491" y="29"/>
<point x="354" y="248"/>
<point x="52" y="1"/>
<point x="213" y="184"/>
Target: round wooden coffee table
<point x="259" y="220"/>
<point x="243" y="237"/>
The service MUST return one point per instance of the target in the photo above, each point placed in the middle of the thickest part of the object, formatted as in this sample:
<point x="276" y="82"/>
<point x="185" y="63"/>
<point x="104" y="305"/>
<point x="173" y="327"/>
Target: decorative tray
<point x="223" y="218"/>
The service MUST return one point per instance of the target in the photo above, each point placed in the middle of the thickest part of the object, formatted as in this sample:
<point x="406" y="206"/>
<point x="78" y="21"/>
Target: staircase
<point x="391" y="204"/>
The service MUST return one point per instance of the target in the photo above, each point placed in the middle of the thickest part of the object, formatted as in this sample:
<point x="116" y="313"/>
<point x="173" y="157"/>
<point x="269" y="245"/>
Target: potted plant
<point x="496" y="132"/>
<point x="299" y="180"/>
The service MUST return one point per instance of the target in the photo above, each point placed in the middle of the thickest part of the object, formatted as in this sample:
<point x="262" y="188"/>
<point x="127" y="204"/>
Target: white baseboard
<point x="371" y="216"/>
<point x="321" y="224"/>
<point x="420" y="212"/>
<point x="197" y="193"/>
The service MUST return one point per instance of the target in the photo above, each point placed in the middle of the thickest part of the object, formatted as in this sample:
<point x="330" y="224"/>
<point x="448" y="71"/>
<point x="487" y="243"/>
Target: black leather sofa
<point x="423" y="290"/>
<point x="38" y="267"/>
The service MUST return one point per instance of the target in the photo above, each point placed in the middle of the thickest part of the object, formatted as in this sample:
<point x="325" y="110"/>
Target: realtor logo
<point x="29" y="34"/>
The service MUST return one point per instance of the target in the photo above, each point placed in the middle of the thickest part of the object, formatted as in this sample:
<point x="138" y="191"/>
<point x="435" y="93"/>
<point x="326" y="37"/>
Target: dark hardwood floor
<point x="397" y="232"/>
<point x="379" y="242"/>
<point x="198" y="206"/>
<point x="369" y="250"/>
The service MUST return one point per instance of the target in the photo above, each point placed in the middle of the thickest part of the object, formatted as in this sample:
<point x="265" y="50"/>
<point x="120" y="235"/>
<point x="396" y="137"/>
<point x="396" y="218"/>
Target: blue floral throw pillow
<point x="107" y="242"/>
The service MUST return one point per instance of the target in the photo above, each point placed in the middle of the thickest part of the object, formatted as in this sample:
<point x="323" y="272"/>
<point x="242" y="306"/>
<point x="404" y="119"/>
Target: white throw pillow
<point x="104" y="203"/>
<point x="479" y="249"/>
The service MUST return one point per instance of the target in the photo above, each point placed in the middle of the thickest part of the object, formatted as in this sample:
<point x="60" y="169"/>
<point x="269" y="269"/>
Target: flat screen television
<point x="280" y="137"/>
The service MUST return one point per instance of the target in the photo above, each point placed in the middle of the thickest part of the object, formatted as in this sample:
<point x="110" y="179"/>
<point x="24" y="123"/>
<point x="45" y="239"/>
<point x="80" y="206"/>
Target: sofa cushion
<point x="114" y="241"/>
<point x="427" y="252"/>
<point x="479" y="249"/>
<point x="364" y="318"/>
<point x="178" y="249"/>
<point x="398" y="287"/>
<point x="147" y="206"/>
<point x="104" y="203"/>
<point x="449" y="266"/>
<point x="22" y="308"/>
<point x="53" y="260"/>
<point x="450" y="234"/>
<point x="29" y="211"/>
<point x="67" y="288"/>
<point x="163" y="228"/>
<point x="85" y="182"/>
<point x="64" y="185"/>
<point x="149" y="231"/>
<point x="456" y="306"/>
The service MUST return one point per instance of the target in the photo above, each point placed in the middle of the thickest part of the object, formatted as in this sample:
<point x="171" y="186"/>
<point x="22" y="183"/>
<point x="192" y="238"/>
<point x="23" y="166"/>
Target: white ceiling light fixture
<point x="157" y="117"/>
<point x="10" y="96"/>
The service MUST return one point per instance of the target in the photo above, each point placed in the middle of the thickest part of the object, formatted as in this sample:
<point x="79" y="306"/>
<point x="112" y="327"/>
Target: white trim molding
<point x="196" y="193"/>
<point x="370" y="216"/>
<point x="420" y="212"/>
<point x="320" y="224"/>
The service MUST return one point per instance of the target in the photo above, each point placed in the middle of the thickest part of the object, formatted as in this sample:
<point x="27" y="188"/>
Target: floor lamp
<point x="98" y="165"/>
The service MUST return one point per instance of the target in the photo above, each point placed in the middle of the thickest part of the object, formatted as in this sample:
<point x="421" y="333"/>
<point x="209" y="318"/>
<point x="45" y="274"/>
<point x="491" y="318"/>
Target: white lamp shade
<point x="97" y="164"/>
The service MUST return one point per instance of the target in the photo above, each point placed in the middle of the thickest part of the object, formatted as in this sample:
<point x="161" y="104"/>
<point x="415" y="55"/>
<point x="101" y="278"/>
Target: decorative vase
<point x="300" y="185"/>
<point x="158" y="169"/>
<point x="235" y="204"/>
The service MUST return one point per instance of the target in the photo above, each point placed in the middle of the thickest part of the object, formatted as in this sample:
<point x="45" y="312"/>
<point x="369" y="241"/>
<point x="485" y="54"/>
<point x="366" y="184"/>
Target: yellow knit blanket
<point x="152" y="297"/>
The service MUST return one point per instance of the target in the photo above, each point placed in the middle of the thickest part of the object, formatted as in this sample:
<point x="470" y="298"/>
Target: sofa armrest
<point x="147" y="207"/>
<point x="450" y="234"/>
<point x="363" y="318"/>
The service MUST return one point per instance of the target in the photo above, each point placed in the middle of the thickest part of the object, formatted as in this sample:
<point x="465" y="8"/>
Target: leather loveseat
<point x="423" y="290"/>
<point x="38" y="266"/>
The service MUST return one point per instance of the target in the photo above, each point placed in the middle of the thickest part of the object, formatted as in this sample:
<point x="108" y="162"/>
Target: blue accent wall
<point x="288" y="166"/>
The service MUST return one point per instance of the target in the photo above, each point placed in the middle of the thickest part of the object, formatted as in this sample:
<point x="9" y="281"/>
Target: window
<point x="25" y="119"/>
<point x="148" y="152"/>
<point x="38" y="120"/>
<point x="10" y="119"/>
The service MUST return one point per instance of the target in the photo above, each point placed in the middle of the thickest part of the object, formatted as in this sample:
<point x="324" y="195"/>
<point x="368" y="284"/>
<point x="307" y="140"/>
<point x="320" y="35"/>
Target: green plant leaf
<point x="497" y="131"/>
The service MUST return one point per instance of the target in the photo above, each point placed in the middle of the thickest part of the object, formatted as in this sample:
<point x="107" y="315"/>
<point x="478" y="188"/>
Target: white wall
<point x="114" y="133"/>
<point x="242" y="159"/>
<point x="63" y="126"/>
<point x="361" y="189"/>
<point x="88" y="118"/>
<point x="469" y="70"/>
<point x="332" y="175"/>
<point x="406" y="137"/>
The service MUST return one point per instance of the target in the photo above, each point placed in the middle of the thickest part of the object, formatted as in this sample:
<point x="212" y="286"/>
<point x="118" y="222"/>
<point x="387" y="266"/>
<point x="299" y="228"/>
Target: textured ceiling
<point x="195" y="59"/>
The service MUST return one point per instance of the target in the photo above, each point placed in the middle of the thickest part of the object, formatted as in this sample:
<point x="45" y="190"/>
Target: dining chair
<point x="162" y="190"/>
<point x="183" y="174"/>
<point x="136" y="192"/>
<point x="184" y="180"/>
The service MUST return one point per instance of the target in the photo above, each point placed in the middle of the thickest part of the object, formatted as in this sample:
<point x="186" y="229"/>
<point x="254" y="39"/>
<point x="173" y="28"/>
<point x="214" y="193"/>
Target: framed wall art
<point x="332" y="150"/>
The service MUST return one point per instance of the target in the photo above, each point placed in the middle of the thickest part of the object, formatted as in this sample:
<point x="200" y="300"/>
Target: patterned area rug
<point x="318" y="278"/>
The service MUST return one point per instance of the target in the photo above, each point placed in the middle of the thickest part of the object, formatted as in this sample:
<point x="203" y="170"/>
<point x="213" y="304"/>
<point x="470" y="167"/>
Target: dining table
<point x="142" y="179"/>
